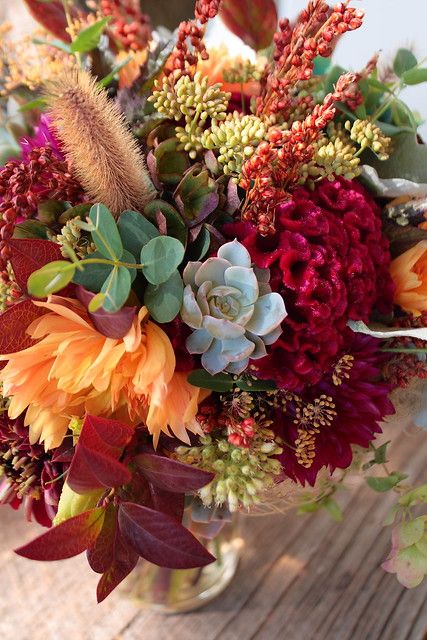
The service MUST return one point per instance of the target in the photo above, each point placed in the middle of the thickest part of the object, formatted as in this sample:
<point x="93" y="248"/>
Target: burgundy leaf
<point x="113" y="325"/>
<point x="254" y="21"/>
<point x="167" y="502"/>
<point x="96" y="460"/>
<point x="125" y="559"/>
<point x="30" y="254"/>
<point x="68" y="539"/>
<point x="51" y="15"/>
<point x="172" y="475"/>
<point x="14" y="323"/>
<point x="160" y="539"/>
<point x="110" y="555"/>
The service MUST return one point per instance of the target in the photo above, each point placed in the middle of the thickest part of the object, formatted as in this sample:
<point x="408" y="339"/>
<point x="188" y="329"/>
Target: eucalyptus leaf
<point x="408" y="160"/>
<point x="160" y="258"/>
<point x="164" y="300"/>
<point x="116" y="289"/>
<point x="105" y="233"/>
<point x="93" y="276"/>
<point x="51" y="278"/>
<point x="89" y="38"/>
<point x="135" y="231"/>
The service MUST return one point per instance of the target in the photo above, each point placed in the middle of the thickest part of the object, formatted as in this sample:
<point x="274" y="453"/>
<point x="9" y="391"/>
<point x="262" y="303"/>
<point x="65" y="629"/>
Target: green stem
<point x="403" y="350"/>
<point x="71" y="29"/>
<point x="114" y="263"/>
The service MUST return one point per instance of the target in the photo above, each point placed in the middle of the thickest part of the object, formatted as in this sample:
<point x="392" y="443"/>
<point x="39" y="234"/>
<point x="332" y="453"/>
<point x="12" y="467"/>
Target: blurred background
<point x="389" y="24"/>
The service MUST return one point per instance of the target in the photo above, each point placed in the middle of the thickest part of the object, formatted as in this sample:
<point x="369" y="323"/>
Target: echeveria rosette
<point x="232" y="310"/>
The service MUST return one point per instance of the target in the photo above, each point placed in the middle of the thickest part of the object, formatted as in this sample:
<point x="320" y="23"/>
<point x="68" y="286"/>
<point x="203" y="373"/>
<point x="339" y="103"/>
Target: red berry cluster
<point x="190" y="46"/>
<point x="275" y="166"/>
<point x="24" y="184"/>
<point x="315" y="34"/>
<point x="240" y="431"/>
<point x="129" y="25"/>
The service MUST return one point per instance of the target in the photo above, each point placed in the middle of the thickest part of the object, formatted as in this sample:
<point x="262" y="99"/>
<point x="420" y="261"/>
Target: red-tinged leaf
<point x="51" y="15"/>
<point x="167" y="502"/>
<point x="96" y="460"/>
<point x="68" y="539"/>
<point x="160" y="539"/>
<point x="92" y="470"/>
<point x="101" y="554"/>
<point x="253" y="21"/>
<point x="171" y="475"/>
<point x="14" y="323"/>
<point x="30" y="254"/>
<point x="113" y="325"/>
<point x="110" y="555"/>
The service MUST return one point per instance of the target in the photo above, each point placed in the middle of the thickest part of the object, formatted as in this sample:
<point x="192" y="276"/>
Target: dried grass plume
<point x="102" y="152"/>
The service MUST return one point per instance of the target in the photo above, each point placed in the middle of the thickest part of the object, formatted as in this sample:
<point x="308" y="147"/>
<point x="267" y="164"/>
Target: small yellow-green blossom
<point x="236" y="139"/>
<point x="189" y="137"/>
<point x="190" y="98"/>
<point x="334" y="155"/>
<point x="71" y="236"/>
<point x="241" y="474"/>
<point x="242" y="71"/>
<point x="368" y="135"/>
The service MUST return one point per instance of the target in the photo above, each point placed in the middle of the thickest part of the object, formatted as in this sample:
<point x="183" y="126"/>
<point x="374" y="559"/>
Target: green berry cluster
<point x="369" y="136"/>
<point x="241" y="474"/>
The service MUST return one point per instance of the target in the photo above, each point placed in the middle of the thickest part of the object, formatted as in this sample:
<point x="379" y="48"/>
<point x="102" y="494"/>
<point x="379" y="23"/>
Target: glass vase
<point x="179" y="590"/>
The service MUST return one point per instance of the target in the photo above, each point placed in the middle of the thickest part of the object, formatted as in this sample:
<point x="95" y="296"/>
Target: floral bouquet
<point x="214" y="278"/>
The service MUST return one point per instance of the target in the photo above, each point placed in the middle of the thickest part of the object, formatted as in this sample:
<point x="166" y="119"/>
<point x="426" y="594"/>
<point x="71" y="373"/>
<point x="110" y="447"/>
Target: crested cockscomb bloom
<point x="320" y="426"/>
<point x="29" y="477"/>
<point x="330" y="261"/>
<point x="103" y="154"/>
<point x="72" y="369"/>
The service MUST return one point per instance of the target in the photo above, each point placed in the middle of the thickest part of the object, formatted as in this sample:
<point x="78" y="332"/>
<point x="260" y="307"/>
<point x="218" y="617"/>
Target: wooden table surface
<point x="300" y="578"/>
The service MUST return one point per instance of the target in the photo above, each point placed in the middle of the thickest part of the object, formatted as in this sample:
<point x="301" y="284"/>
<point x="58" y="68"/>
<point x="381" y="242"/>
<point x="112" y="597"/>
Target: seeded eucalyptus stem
<point x="114" y="263"/>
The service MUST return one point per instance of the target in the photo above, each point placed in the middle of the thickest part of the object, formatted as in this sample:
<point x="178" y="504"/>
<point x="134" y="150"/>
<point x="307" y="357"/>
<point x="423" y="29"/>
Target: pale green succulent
<point x="231" y="308"/>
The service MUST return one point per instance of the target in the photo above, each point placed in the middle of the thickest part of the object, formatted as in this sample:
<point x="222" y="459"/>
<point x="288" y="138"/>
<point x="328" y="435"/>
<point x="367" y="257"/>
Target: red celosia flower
<point x="351" y="403"/>
<point x="330" y="261"/>
<point x="29" y="476"/>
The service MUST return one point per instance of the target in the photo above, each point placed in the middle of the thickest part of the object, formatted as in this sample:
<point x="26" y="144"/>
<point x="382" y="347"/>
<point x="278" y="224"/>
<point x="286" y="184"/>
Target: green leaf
<point x="408" y="160"/>
<point x="164" y="300"/>
<point x="114" y="71"/>
<point x="96" y="303"/>
<point x="175" y="225"/>
<point x="380" y="454"/>
<point x="89" y="38"/>
<point x="58" y="44"/>
<point x="403" y="61"/>
<point x="333" y="508"/>
<point x="171" y="164"/>
<point x="135" y="231"/>
<point x="31" y="229"/>
<point x="161" y="257"/>
<point x="415" y="496"/>
<point x="51" y="278"/>
<point x="105" y="233"/>
<point x="219" y="382"/>
<point x="415" y="76"/>
<point x="116" y="289"/>
<point x="93" y="276"/>
<point x="200" y="246"/>
<point x="37" y="103"/>
<point x="410" y="532"/>
<point x="386" y="483"/>
<point x="251" y="384"/>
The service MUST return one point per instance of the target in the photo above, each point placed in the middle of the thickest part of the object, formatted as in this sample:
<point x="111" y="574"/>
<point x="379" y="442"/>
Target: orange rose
<point x="409" y="272"/>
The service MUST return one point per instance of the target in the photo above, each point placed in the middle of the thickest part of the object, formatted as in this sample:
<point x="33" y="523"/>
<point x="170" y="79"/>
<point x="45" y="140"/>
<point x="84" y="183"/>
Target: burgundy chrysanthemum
<point x="30" y="477"/>
<point x="330" y="261"/>
<point x="344" y="409"/>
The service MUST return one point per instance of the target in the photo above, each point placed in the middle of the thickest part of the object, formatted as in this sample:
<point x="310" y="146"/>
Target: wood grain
<point x="300" y="578"/>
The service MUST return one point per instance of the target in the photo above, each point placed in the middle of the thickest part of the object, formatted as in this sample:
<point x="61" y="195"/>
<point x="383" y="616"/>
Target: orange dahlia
<point x="73" y="369"/>
<point x="409" y="272"/>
